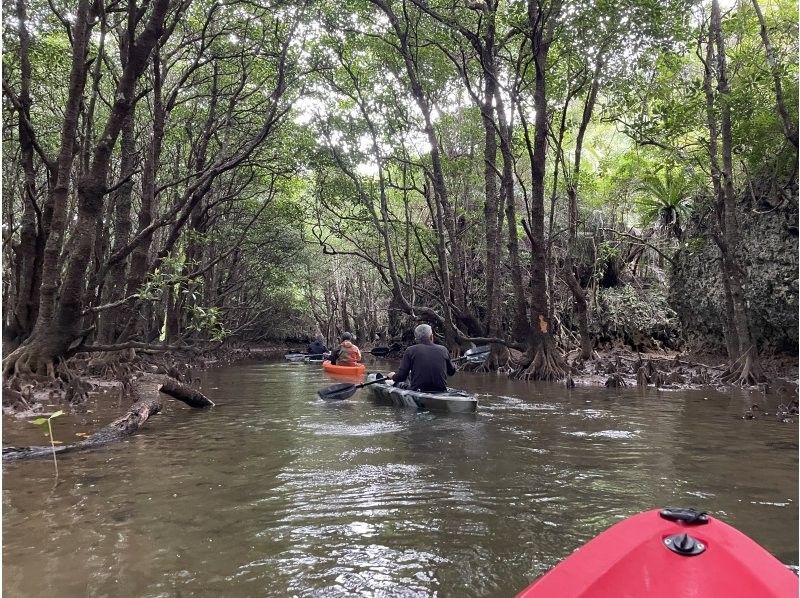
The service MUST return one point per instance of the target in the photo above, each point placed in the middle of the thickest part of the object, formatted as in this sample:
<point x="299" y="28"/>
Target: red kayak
<point x="668" y="553"/>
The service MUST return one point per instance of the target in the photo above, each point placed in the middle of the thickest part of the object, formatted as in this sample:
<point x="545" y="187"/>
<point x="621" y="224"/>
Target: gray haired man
<point x="425" y="365"/>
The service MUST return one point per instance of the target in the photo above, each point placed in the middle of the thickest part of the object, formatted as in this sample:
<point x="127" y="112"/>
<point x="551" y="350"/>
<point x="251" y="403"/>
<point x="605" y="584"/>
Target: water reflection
<point x="274" y="492"/>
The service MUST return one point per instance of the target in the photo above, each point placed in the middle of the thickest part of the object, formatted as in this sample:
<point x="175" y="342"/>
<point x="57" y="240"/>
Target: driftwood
<point x="148" y="402"/>
<point x="182" y="392"/>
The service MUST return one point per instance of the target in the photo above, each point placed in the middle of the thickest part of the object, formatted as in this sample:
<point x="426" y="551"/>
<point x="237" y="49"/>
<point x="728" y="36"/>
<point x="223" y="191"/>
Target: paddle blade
<point x="337" y="392"/>
<point x="477" y="351"/>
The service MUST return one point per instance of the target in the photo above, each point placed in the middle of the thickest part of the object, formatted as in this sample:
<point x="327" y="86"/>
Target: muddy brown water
<point x="276" y="493"/>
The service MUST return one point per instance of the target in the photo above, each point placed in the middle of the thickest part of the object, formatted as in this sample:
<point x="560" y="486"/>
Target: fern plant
<point x="666" y="201"/>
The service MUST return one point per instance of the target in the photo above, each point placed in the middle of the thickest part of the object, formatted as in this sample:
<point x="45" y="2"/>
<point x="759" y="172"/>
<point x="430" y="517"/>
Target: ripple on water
<point x="591" y="414"/>
<point x="771" y="504"/>
<point x="606" y="434"/>
<point x="508" y="403"/>
<point x="367" y="450"/>
<point x="339" y="429"/>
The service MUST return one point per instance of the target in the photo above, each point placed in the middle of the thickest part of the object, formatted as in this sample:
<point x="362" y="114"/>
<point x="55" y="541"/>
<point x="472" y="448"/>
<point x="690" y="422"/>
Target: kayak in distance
<point x="454" y="401"/>
<point x="295" y="356"/>
<point x="668" y="553"/>
<point x="317" y="358"/>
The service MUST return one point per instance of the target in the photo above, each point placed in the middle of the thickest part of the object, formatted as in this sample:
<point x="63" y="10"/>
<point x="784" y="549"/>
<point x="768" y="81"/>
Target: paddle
<point x="382" y="351"/>
<point x="337" y="392"/>
<point x="476" y="352"/>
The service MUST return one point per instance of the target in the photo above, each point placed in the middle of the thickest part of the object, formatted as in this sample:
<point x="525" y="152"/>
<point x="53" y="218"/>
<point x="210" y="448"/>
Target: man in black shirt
<point x="425" y="365"/>
<point x="318" y="346"/>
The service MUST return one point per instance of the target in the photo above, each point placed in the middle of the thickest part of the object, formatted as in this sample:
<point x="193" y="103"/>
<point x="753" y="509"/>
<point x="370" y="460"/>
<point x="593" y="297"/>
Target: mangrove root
<point x="616" y="381"/>
<point x="642" y="379"/>
<point x="546" y="366"/>
<point x="743" y="372"/>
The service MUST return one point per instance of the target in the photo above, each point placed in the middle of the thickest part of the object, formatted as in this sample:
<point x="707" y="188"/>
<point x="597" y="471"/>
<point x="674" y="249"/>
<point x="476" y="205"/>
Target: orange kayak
<point x="344" y="370"/>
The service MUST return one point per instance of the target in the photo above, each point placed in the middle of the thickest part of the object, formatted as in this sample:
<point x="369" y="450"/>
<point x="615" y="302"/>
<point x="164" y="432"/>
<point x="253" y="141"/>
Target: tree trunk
<point x="580" y="302"/>
<point x="491" y="195"/>
<point x="729" y="324"/>
<point x="746" y="370"/>
<point x="545" y="363"/>
<point x="81" y="31"/>
<point x="789" y="127"/>
<point x="111" y="322"/>
<point x="520" y="319"/>
<point x="58" y="327"/>
<point x="134" y="325"/>
<point x="452" y="279"/>
<point x="29" y="251"/>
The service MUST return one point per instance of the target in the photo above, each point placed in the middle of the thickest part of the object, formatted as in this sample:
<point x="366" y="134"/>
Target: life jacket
<point x="349" y="354"/>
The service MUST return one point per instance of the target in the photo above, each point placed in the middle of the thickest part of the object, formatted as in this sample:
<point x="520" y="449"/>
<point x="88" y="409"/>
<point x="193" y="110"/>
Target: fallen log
<point x="148" y="403"/>
<point x="179" y="390"/>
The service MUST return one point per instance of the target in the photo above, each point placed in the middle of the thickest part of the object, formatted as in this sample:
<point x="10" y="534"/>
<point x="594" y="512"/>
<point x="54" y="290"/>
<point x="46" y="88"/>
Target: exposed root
<point x="743" y="372"/>
<point x="15" y="400"/>
<point x="31" y="362"/>
<point x="546" y="366"/>
<point x="788" y="413"/>
<point x="616" y="381"/>
<point x="76" y="390"/>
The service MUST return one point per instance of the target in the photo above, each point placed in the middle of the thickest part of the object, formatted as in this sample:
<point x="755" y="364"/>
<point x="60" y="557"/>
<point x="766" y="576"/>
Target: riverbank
<point x="674" y="370"/>
<point x="117" y="373"/>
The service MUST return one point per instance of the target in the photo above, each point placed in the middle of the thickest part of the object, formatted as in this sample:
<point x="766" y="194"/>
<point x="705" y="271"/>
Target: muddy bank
<point x="119" y="374"/>
<point x="143" y="379"/>
<point x="673" y="370"/>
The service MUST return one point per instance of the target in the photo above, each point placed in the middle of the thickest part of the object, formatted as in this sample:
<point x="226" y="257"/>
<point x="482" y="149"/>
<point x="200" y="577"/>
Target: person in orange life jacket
<point x="346" y="353"/>
<point x="425" y="365"/>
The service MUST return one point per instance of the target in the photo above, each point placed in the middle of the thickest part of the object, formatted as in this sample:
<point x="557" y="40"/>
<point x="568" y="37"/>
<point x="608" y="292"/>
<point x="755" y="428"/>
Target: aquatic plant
<point x="40" y="421"/>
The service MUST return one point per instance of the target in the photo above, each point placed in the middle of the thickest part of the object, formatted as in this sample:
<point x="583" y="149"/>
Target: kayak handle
<point x="689" y="516"/>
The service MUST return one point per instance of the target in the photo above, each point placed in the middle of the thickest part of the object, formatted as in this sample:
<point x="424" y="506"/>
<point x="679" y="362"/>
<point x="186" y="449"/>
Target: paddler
<point x="317" y="347"/>
<point x="425" y="365"/>
<point x="346" y="353"/>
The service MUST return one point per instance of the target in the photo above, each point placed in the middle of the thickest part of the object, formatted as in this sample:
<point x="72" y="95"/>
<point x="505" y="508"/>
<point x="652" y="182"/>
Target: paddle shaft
<point x="363" y="384"/>
<point x="332" y="390"/>
<point x="463" y="357"/>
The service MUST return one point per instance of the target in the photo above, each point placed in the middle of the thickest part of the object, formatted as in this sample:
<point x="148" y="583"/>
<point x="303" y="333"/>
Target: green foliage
<point x="666" y="200"/>
<point x="207" y="321"/>
<point x="350" y="170"/>
<point x="40" y="421"/>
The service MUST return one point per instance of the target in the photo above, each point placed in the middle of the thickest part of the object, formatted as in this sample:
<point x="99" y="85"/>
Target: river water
<point x="276" y="493"/>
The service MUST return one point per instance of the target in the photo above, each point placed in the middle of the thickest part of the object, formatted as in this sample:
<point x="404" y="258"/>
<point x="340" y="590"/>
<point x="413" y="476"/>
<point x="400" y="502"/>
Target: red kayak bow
<point x="668" y="553"/>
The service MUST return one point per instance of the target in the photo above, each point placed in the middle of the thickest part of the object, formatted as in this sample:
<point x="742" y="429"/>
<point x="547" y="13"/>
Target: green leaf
<point x="39" y="421"/>
<point x="57" y="413"/>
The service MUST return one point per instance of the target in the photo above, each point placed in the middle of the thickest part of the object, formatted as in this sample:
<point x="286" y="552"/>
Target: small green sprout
<point x="40" y="421"/>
